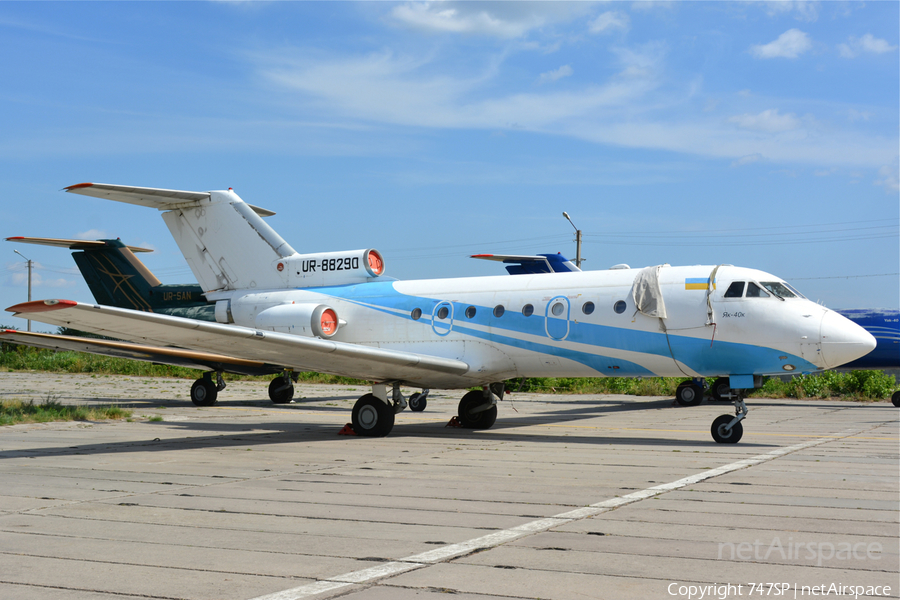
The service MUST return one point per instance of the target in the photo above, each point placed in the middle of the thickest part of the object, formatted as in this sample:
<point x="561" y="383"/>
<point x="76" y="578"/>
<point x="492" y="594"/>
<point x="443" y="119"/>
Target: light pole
<point x="578" y="258"/>
<point x="29" y="280"/>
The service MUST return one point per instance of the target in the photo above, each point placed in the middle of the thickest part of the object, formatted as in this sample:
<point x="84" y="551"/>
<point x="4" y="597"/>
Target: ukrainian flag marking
<point x="697" y="283"/>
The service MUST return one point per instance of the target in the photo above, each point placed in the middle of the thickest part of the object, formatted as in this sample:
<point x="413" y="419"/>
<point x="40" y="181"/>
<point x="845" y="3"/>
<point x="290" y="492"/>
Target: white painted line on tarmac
<point x="418" y="561"/>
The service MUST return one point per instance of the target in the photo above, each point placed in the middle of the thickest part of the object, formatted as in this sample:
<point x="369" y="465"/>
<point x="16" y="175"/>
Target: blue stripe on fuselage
<point x="721" y="359"/>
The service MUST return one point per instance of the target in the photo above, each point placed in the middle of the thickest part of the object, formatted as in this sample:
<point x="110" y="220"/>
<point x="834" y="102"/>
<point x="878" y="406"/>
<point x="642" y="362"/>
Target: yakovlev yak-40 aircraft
<point x="335" y="313"/>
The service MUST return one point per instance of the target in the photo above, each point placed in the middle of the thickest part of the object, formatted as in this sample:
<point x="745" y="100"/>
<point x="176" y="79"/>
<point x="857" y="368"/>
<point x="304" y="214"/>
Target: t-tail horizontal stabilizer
<point x="528" y="265"/>
<point x="224" y="240"/>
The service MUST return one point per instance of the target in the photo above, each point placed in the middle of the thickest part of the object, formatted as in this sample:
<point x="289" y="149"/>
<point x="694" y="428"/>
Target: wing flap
<point x="312" y="354"/>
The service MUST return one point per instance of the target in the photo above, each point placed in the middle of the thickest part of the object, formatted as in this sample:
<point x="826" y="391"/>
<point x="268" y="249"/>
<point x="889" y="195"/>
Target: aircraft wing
<point x="155" y="354"/>
<point x="302" y="353"/>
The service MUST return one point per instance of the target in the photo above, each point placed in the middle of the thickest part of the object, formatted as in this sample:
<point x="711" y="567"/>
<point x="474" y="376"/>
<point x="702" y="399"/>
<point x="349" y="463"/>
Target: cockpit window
<point x="779" y="289"/>
<point x="735" y="290"/>
<point x="754" y="291"/>
<point x="793" y="289"/>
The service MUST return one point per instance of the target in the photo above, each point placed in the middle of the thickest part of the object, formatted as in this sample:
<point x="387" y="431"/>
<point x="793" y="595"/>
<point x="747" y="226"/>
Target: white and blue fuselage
<point x="580" y="324"/>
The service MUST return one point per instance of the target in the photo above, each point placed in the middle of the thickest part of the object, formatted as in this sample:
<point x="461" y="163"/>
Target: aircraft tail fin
<point x="116" y="277"/>
<point x="224" y="240"/>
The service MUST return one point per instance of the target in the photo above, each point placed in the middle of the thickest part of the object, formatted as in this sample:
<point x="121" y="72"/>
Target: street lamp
<point x="29" y="280"/>
<point x="578" y="258"/>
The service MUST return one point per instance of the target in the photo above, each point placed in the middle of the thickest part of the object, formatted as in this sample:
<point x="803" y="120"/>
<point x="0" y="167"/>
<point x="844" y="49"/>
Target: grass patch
<point x="51" y="409"/>
<point x="23" y="358"/>
<point x="855" y="385"/>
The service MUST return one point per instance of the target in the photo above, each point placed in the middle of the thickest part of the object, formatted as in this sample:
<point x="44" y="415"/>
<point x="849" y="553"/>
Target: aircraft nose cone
<point x="843" y="340"/>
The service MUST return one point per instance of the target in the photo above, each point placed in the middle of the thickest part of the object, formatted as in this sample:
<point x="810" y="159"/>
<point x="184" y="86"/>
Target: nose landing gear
<point x="727" y="429"/>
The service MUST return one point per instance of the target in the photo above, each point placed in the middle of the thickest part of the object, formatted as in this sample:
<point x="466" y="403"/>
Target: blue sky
<point x="761" y="134"/>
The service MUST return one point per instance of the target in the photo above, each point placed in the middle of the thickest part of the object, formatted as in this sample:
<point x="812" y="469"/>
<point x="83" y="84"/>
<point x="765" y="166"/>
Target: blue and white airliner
<point x="337" y="313"/>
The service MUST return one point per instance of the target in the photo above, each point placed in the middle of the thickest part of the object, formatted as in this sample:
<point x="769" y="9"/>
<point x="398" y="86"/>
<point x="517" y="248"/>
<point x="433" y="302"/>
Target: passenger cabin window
<point x="754" y="291"/>
<point x="735" y="290"/>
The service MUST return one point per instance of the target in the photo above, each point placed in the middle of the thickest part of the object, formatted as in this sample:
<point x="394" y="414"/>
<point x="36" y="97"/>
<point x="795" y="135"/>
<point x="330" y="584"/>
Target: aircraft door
<point x="556" y="318"/>
<point x="442" y="318"/>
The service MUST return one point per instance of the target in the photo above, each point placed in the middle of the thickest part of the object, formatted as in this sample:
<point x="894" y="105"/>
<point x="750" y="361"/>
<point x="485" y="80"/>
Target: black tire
<point x="896" y="398"/>
<point x="720" y="388"/>
<point x="726" y="437"/>
<point x="372" y="417"/>
<point x="280" y="393"/>
<point x="689" y="394"/>
<point x="417" y="403"/>
<point x="472" y="419"/>
<point x="204" y="392"/>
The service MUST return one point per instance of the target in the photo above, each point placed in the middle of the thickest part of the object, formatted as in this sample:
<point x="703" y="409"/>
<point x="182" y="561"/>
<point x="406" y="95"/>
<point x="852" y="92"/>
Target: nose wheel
<point x="727" y="429"/>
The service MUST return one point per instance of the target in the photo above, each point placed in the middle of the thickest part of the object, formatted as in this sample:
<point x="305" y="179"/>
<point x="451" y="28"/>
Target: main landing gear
<point x="204" y="392"/>
<point x="690" y="393"/>
<point x="281" y="390"/>
<point x="373" y="414"/>
<point x="418" y="401"/>
<point x="478" y="409"/>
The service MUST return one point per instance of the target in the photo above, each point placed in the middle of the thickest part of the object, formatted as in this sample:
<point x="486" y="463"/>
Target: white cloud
<point x="867" y="43"/>
<point x="768" y="121"/>
<point x="806" y="10"/>
<point x="627" y="109"/>
<point x="645" y="61"/>
<point x="92" y="234"/>
<point x="858" y="115"/>
<point x="21" y="279"/>
<point x="609" y="21"/>
<point x="747" y="160"/>
<point x="405" y="91"/>
<point x="790" y="44"/>
<point x="497" y="19"/>
<point x="550" y="76"/>
<point x="889" y="177"/>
